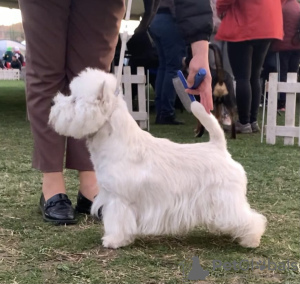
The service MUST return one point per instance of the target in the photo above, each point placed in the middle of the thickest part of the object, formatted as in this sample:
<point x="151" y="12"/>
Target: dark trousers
<point x="289" y="62"/>
<point x="246" y="60"/>
<point x="62" y="39"/>
<point x="171" y="49"/>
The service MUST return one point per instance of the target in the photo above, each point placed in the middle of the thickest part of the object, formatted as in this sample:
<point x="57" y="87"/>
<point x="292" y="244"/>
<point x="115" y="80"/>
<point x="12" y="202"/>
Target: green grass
<point x="34" y="252"/>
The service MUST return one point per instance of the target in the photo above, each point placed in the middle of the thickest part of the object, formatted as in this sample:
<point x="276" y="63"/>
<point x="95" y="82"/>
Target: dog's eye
<point x="74" y="101"/>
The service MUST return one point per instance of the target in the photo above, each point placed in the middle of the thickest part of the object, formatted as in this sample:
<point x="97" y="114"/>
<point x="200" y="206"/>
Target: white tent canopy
<point x="136" y="11"/>
<point x="5" y="44"/>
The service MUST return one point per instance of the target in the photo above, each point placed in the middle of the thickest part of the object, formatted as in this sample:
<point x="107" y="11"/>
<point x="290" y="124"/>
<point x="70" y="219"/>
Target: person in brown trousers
<point x="62" y="39"/>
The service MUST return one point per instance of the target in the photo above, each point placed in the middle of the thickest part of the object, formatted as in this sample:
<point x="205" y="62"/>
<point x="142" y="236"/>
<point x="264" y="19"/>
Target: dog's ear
<point x="106" y="95"/>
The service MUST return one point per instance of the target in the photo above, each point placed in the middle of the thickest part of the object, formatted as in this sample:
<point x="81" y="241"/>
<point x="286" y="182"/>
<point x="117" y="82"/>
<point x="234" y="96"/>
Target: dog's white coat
<point x="152" y="186"/>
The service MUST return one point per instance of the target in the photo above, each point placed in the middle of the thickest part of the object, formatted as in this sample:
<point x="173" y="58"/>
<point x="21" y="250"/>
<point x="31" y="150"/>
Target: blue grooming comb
<point x="181" y="85"/>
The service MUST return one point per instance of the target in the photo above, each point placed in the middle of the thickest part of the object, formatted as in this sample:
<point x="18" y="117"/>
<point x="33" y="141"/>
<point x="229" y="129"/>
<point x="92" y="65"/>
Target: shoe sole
<point x="57" y="222"/>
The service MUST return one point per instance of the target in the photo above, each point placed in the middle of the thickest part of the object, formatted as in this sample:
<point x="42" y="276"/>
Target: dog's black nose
<point x="52" y="103"/>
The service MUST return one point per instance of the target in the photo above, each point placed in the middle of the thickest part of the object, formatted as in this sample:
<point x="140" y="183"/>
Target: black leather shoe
<point x="83" y="204"/>
<point x="58" y="209"/>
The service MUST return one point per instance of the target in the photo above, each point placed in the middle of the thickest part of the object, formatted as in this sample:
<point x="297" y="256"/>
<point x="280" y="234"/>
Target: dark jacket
<point x="168" y="4"/>
<point x="194" y="18"/>
<point x="16" y="64"/>
<point x="291" y="23"/>
<point x="7" y="56"/>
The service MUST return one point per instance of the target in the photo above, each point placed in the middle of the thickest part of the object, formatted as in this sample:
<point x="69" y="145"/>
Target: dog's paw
<point x="250" y="242"/>
<point x="114" y="242"/>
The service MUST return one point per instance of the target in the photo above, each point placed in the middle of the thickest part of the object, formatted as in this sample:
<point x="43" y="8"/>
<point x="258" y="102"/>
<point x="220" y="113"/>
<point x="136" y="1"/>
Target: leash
<point x="123" y="47"/>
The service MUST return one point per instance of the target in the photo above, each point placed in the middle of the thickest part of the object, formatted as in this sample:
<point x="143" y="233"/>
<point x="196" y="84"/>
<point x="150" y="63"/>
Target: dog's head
<point x="89" y="106"/>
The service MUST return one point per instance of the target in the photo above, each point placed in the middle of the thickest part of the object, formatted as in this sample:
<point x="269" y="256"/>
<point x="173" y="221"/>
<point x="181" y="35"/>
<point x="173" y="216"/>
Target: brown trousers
<point x="62" y="38"/>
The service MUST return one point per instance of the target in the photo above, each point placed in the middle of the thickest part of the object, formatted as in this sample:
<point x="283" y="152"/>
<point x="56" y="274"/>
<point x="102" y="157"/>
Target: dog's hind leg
<point x="253" y="230"/>
<point x="230" y="213"/>
<point x="120" y="225"/>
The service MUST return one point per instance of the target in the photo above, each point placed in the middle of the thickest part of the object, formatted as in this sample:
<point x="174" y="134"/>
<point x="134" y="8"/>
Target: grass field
<point x="34" y="252"/>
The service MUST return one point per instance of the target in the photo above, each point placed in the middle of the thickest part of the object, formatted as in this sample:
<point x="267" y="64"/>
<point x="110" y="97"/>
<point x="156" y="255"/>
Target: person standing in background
<point x="248" y="27"/>
<point x="15" y="63"/>
<point x="19" y="55"/>
<point x="170" y="47"/>
<point x="289" y="47"/>
<point x="1" y="64"/>
<point x="7" y="57"/>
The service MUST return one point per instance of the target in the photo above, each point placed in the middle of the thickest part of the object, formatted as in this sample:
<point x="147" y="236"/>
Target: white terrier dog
<point x="152" y="186"/>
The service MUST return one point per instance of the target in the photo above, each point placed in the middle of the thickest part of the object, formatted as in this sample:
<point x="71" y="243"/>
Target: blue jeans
<point x="171" y="49"/>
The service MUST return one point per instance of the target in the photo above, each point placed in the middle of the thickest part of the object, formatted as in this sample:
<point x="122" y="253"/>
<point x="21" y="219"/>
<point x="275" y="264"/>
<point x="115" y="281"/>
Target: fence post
<point x="272" y="109"/>
<point x="142" y="97"/>
<point x="141" y="116"/>
<point x="290" y="108"/>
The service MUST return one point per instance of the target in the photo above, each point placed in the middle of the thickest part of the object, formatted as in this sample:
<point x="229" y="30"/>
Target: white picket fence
<point x="140" y="115"/>
<point x="289" y="131"/>
<point x="9" y="74"/>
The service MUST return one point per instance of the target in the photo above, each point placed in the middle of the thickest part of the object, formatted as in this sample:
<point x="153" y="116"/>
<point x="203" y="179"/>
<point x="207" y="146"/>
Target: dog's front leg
<point x="120" y="225"/>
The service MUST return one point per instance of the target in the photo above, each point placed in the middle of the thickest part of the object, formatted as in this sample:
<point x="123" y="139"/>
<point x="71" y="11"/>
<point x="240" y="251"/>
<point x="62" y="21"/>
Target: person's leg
<point x="269" y="66"/>
<point x="260" y="49"/>
<point x="92" y="38"/>
<point x="174" y="50"/>
<point x="171" y="48"/>
<point x="284" y="57"/>
<point x="294" y="61"/>
<point x="45" y="25"/>
<point x="154" y="30"/>
<point x="240" y="54"/>
<point x="289" y="63"/>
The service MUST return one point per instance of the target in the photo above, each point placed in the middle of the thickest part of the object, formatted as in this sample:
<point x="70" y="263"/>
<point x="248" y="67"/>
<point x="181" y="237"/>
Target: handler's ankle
<point x="53" y="183"/>
<point x="88" y="184"/>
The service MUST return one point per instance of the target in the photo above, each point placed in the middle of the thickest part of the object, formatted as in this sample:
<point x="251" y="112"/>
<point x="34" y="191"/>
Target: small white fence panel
<point x="9" y="74"/>
<point x="140" y="115"/>
<point x="289" y="131"/>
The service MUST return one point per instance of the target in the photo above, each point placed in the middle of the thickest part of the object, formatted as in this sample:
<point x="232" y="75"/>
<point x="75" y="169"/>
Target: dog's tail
<point x="216" y="133"/>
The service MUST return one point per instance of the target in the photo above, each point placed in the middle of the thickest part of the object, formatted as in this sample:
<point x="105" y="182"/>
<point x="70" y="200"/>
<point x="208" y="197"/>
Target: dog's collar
<point x="92" y="135"/>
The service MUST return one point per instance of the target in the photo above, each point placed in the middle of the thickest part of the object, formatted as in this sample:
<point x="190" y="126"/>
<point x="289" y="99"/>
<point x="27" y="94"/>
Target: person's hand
<point x="200" y="60"/>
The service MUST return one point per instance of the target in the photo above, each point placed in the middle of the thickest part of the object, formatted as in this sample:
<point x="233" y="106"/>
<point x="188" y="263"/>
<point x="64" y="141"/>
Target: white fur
<point x="152" y="186"/>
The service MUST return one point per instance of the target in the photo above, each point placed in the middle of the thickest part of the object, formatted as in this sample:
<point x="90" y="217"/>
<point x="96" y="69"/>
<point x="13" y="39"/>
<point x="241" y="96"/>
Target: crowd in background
<point x="12" y="59"/>
<point x="255" y="38"/>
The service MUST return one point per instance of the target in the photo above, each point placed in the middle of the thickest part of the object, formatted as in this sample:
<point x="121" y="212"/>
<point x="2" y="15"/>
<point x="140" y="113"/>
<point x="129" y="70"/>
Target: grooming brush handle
<point x="199" y="77"/>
